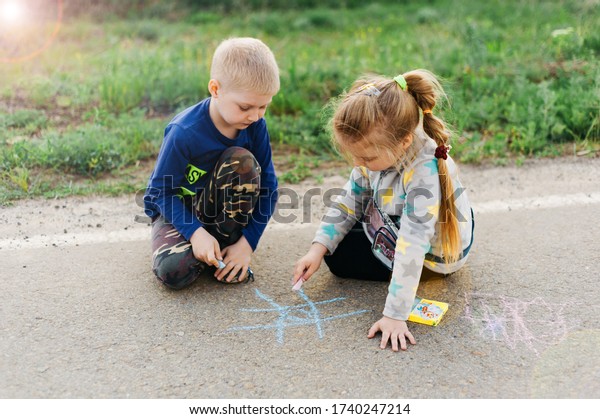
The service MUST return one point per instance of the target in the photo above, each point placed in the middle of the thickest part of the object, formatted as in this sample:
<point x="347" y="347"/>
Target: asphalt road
<point x="83" y="317"/>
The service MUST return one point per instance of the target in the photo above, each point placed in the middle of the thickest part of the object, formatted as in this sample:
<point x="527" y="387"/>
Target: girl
<point x="403" y="206"/>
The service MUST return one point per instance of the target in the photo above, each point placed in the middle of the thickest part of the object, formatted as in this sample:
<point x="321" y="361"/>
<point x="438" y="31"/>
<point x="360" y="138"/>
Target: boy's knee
<point x="174" y="274"/>
<point x="246" y="162"/>
<point x="236" y="152"/>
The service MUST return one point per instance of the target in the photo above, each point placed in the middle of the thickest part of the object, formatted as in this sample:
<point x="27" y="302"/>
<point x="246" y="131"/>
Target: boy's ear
<point x="213" y="88"/>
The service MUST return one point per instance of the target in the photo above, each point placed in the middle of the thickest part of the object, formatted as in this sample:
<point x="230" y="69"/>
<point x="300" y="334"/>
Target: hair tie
<point x="401" y="82"/>
<point x="427" y="111"/>
<point x="442" y="152"/>
<point x="369" y="89"/>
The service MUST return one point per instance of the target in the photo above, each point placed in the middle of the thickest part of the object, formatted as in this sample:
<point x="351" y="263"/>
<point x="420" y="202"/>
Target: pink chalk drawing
<point x="536" y="324"/>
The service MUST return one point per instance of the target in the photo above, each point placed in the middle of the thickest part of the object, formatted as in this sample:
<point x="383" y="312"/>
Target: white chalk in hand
<point x="298" y="284"/>
<point x="221" y="264"/>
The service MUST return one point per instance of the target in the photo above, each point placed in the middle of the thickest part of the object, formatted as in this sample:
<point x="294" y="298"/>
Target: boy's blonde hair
<point x="380" y="111"/>
<point x="245" y="64"/>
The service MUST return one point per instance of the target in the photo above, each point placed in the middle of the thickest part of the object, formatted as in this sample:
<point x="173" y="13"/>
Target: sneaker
<point x="236" y="279"/>
<point x="249" y="276"/>
<point x="200" y="267"/>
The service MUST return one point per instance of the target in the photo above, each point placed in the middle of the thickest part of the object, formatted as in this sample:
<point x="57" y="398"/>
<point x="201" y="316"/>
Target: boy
<point x="213" y="188"/>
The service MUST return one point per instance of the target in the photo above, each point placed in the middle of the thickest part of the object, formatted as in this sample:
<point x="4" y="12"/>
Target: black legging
<point x="353" y="258"/>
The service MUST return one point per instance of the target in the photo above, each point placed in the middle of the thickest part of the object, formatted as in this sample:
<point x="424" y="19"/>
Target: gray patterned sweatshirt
<point x="413" y="194"/>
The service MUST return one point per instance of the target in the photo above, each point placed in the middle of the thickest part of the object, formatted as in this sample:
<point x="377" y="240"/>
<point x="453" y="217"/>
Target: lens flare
<point x="11" y="11"/>
<point x="28" y="28"/>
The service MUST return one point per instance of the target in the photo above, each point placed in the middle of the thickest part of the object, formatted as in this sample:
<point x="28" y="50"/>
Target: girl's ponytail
<point x="426" y="90"/>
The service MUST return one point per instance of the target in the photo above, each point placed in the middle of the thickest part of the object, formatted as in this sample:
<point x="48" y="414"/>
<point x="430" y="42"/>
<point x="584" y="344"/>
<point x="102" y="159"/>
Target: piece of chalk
<point x="221" y="264"/>
<point x="298" y="284"/>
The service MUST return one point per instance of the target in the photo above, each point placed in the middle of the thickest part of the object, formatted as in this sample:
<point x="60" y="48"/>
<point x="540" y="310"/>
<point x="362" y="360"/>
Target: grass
<point x="523" y="80"/>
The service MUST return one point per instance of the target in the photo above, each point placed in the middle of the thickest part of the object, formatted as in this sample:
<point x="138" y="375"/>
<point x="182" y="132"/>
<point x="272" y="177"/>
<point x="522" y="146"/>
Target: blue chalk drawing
<point x="297" y="315"/>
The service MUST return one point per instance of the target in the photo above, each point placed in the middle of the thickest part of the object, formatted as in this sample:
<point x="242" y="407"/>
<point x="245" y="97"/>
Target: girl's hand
<point x="394" y="330"/>
<point x="309" y="263"/>
<point x="237" y="257"/>
<point x="205" y="247"/>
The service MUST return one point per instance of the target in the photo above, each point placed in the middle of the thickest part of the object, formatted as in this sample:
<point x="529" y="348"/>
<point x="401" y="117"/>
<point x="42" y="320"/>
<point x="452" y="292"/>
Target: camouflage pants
<point x="224" y="208"/>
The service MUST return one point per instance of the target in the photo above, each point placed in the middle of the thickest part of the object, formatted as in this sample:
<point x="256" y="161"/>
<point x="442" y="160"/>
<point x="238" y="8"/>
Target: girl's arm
<point x="345" y="211"/>
<point x="309" y="263"/>
<point x="417" y="228"/>
<point x="393" y="330"/>
<point x="338" y="220"/>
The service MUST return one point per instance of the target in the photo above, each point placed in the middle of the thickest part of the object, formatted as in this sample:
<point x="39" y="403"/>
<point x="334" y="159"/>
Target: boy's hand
<point x="309" y="263"/>
<point x="237" y="257"/>
<point x="394" y="330"/>
<point x="205" y="247"/>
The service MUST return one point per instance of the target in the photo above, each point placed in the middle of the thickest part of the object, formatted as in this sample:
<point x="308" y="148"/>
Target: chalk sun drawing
<point x="294" y="316"/>
<point x="535" y="324"/>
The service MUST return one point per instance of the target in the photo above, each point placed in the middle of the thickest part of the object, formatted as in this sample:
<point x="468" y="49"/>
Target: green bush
<point x="31" y="119"/>
<point x="105" y="144"/>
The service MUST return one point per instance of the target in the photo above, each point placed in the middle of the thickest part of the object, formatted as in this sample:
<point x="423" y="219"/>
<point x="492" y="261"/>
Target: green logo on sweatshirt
<point x="193" y="174"/>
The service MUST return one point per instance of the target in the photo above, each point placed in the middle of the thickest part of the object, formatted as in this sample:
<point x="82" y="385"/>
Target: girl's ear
<point x="407" y="141"/>
<point x="213" y="88"/>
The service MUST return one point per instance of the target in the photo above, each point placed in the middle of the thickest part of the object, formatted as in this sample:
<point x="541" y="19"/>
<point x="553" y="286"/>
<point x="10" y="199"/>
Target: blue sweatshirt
<point x="190" y="150"/>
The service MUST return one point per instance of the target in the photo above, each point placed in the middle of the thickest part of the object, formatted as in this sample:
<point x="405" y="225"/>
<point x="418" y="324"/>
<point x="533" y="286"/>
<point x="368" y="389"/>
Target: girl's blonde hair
<point x="245" y="64"/>
<point x="379" y="110"/>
